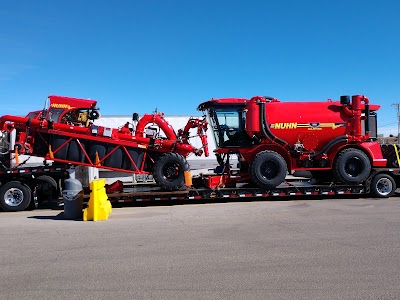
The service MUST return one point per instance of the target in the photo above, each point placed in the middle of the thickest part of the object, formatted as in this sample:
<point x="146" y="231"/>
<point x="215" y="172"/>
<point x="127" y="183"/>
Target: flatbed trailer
<point x="382" y="183"/>
<point x="25" y="187"/>
<point x="28" y="187"/>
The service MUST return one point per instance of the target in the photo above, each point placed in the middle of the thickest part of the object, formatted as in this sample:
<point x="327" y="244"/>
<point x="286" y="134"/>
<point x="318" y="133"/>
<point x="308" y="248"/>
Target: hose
<point x="367" y="119"/>
<point x="333" y="142"/>
<point x="267" y="132"/>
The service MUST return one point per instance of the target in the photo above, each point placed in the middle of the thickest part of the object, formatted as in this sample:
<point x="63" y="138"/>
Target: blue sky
<point x="134" y="56"/>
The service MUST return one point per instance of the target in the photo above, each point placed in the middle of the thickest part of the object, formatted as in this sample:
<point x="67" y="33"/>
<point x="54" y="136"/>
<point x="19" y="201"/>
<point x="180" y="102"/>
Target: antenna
<point x="398" y="120"/>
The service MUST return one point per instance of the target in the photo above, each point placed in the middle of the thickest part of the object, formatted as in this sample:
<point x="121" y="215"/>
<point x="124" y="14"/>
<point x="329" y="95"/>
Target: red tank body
<point x="313" y="124"/>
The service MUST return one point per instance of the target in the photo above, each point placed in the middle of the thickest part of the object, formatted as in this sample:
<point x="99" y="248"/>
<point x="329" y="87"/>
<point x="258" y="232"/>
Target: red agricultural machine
<point x="64" y="132"/>
<point x="333" y="139"/>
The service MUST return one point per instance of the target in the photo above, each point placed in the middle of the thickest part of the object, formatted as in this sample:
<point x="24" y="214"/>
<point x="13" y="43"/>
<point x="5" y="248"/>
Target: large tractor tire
<point x="115" y="159"/>
<point x="15" y="196"/>
<point x="383" y="186"/>
<point x="57" y="142"/>
<point x="75" y="152"/>
<point x="169" y="171"/>
<point x="268" y="169"/>
<point x="352" y="166"/>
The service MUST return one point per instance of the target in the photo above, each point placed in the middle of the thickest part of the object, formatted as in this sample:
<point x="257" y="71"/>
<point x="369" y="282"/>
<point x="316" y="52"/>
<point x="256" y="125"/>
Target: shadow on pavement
<point x="60" y="216"/>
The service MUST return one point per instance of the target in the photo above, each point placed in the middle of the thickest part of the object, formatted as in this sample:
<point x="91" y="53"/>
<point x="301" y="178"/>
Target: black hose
<point x="262" y="120"/>
<point x="367" y="119"/>
<point x="267" y="132"/>
<point x="333" y="142"/>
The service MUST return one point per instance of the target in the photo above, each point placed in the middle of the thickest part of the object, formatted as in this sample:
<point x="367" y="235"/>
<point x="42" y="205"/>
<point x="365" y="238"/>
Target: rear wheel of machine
<point x="268" y="169"/>
<point x="383" y="186"/>
<point x="352" y="166"/>
<point x="169" y="171"/>
<point x="15" y="196"/>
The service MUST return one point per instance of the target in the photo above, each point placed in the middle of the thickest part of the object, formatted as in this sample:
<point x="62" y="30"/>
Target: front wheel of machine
<point x="383" y="186"/>
<point x="352" y="166"/>
<point x="268" y="169"/>
<point x="169" y="171"/>
<point x="15" y="196"/>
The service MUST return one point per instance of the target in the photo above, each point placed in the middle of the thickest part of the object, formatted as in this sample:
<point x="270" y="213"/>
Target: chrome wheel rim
<point x="13" y="197"/>
<point x="384" y="186"/>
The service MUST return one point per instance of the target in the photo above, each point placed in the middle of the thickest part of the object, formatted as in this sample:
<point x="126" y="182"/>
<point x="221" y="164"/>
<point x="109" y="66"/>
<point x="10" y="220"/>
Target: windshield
<point x="228" y="125"/>
<point x="55" y="113"/>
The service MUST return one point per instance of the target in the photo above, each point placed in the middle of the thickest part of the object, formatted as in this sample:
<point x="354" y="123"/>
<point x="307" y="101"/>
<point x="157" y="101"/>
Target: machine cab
<point x="228" y="122"/>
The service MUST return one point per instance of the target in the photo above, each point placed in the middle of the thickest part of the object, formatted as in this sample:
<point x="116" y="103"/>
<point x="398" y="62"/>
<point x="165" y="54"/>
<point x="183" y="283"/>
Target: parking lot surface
<point x="304" y="249"/>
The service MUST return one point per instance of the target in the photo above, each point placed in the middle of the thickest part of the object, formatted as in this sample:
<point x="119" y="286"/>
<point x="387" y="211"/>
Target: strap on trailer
<point x="397" y="154"/>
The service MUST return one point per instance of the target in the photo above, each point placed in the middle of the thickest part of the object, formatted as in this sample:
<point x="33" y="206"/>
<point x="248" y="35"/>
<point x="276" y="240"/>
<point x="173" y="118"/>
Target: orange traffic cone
<point x="51" y="154"/>
<point x="97" y="163"/>
<point x="16" y="156"/>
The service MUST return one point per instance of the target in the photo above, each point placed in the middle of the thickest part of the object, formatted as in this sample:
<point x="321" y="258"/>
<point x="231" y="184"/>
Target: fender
<point x="375" y="152"/>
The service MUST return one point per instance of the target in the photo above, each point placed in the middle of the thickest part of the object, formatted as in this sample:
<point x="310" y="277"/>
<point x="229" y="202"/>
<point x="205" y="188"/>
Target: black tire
<point x="75" y="152"/>
<point x="15" y="196"/>
<point x="115" y="159"/>
<point x="352" y="166"/>
<point x="268" y="169"/>
<point x="383" y="186"/>
<point x="46" y="189"/>
<point x="169" y="171"/>
<point x="137" y="157"/>
<point x="101" y="152"/>
<point x="57" y="141"/>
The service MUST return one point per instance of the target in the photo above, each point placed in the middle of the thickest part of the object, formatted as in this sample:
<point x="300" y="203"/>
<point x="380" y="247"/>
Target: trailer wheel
<point x="169" y="171"/>
<point x="15" y="196"/>
<point x="352" y="166"/>
<point x="47" y="188"/>
<point x="383" y="186"/>
<point x="268" y="169"/>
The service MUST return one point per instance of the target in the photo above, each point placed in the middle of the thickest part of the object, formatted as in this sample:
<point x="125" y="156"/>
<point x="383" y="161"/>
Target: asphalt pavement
<point x="303" y="249"/>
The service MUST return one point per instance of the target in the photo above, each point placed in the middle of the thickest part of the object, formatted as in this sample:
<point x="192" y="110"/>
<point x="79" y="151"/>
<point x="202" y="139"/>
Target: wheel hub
<point x="269" y="170"/>
<point x="171" y="171"/>
<point x="13" y="197"/>
<point x="384" y="186"/>
<point x="353" y="167"/>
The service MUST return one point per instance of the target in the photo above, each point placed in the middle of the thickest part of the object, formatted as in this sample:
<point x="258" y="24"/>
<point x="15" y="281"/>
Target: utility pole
<point x="398" y="120"/>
